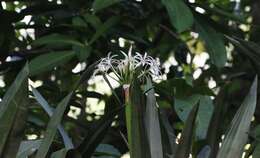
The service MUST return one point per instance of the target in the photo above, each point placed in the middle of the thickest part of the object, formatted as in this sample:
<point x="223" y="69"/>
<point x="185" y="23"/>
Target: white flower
<point x="125" y="68"/>
<point x="143" y="59"/>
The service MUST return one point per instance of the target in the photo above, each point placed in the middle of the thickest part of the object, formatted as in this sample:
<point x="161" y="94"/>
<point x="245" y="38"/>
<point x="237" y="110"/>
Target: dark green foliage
<point x="209" y="52"/>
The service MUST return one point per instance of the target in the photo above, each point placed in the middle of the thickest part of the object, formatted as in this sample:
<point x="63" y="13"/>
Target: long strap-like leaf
<point x="14" y="101"/>
<point x="52" y="127"/>
<point x="236" y="137"/>
<point x="67" y="141"/>
<point x="184" y="147"/>
<point x="152" y="123"/>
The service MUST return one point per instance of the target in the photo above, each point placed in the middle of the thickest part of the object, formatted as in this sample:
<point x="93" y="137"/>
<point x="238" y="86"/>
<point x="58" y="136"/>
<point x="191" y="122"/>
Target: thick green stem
<point x="128" y="113"/>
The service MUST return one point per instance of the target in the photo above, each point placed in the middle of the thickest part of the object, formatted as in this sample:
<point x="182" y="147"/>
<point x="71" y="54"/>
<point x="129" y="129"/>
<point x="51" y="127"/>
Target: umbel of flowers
<point x="133" y="66"/>
<point x="128" y="67"/>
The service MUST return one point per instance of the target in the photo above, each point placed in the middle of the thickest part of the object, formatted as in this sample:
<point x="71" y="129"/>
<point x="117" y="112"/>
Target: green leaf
<point x="47" y="108"/>
<point x="14" y="99"/>
<point x="256" y="153"/>
<point x="79" y="22"/>
<point x="52" y="127"/>
<point x="184" y="146"/>
<point x="135" y="109"/>
<point x="56" y="39"/>
<point x="180" y="14"/>
<point x="152" y="122"/>
<point x="107" y="151"/>
<point x="101" y="30"/>
<point x="48" y="61"/>
<point x="223" y="13"/>
<point x="250" y="49"/>
<point x="82" y="52"/>
<point x="97" y="133"/>
<point x="60" y="153"/>
<point x="183" y="106"/>
<point x="93" y="20"/>
<point x="237" y="135"/>
<point x="102" y="4"/>
<point x="168" y="135"/>
<point x="205" y="152"/>
<point x="203" y="117"/>
<point x="213" y="41"/>
<point x="215" y="131"/>
<point x="27" y="148"/>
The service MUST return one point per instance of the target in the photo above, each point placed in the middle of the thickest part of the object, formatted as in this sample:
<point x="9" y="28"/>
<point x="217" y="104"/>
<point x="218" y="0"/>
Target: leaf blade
<point x="237" y="135"/>
<point x="152" y="123"/>
<point x="9" y="106"/>
<point x="52" y="127"/>
<point x="66" y="139"/>
<point x="180" y="14"/>
<point x="39" y="64"/>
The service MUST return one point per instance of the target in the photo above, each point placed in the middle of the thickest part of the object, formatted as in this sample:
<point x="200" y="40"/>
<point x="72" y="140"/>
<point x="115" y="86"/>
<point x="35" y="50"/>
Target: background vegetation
<point x="209" y="51"/>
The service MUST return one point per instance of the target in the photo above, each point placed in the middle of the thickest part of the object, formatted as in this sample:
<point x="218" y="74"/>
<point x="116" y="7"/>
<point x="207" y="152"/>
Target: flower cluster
<point x="125" y="69"/>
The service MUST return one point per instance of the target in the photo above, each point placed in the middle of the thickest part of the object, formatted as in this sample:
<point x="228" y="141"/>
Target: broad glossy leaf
<point x="180" y="14"/>
<point x="93" y="20"/>
<point x="52" y="127"/>
<point x="101" y="4"/>
<point x="237" y="135"/>
<point x="47" y="108"/>
<point x="57" y="39"/>
<point x="48" y="61"/>
<point x="82" y="52"/>
<point x="213" y="41"/>
<point x="14" y="99"/>
<point x="152" y="122"/>
<point x="183" y="106"/>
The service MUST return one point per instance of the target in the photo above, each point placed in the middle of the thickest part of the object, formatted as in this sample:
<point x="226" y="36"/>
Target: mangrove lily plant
<point x="133" y="67"/>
